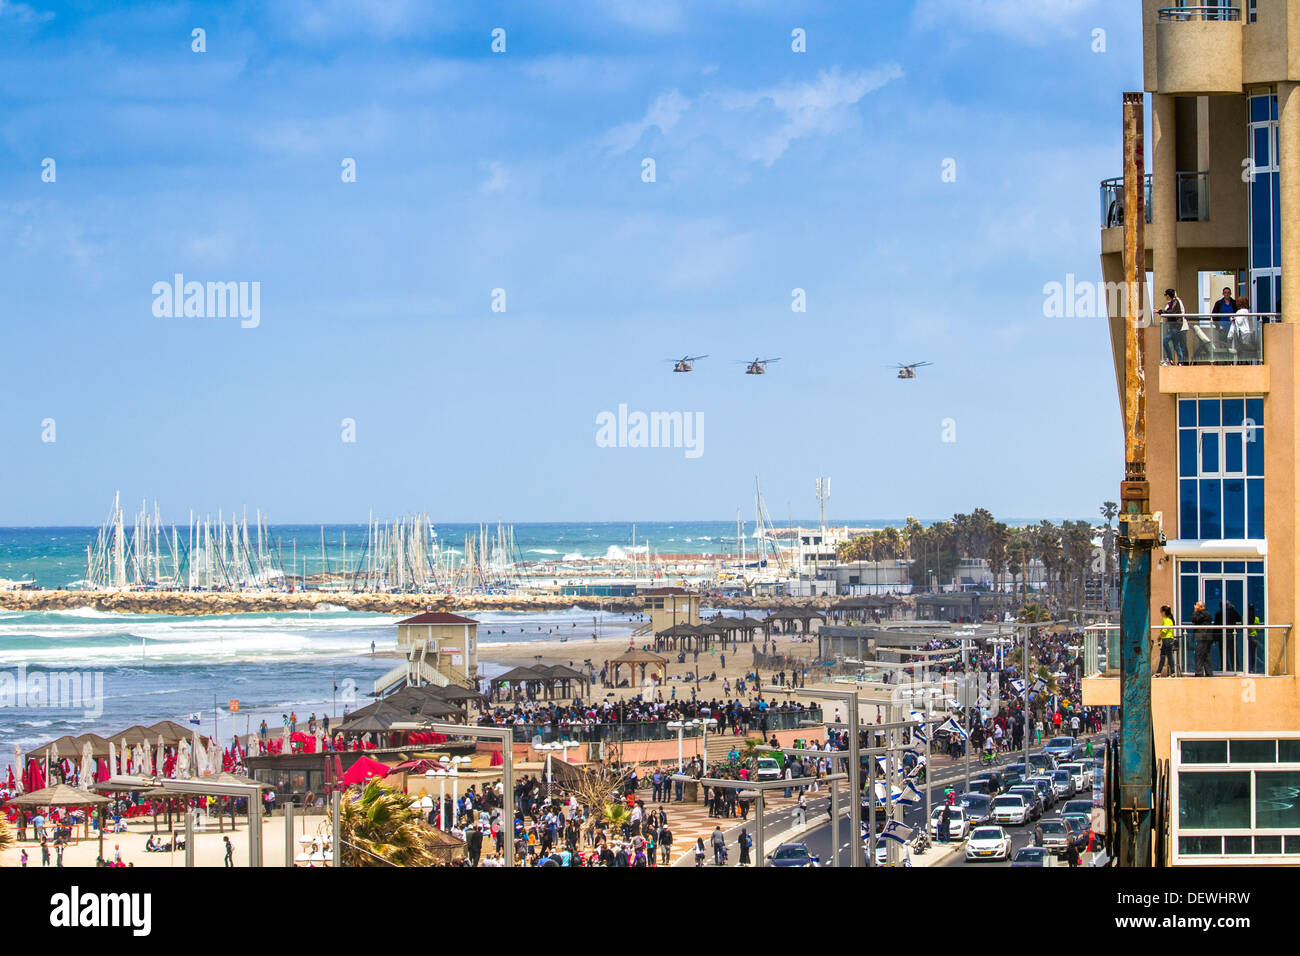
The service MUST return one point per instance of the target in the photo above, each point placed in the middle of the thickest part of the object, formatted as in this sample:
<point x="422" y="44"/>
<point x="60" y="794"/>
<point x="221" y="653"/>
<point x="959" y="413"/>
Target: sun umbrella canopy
<point x="363" y="770"/>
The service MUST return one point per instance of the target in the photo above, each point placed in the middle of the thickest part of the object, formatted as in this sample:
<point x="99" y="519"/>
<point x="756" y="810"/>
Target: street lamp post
<point x="679" y="726"/>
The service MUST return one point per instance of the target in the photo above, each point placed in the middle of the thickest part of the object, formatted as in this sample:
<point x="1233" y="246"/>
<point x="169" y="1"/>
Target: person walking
<point x="665" y="844"/>
<point x="719" y="843"/>
<point x="230" y="851"/>
<point x="746" y="841"/>
<point x="945" y="824"/>
<point x="23" y="858"/>
<point x="801" y="811"/>
<point x="699" y="851"/>
<point x="45" y="852"/>
<point x="1167" y="642"/>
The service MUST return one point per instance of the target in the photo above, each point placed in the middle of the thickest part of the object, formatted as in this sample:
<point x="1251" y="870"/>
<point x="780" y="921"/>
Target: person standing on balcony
<point x="1173" y="342"/>
<point x="1167" y="642"/>
<point x="1226" y="305"/>
<point x="1241" y="330"/>
<point x="1204" y="639"/>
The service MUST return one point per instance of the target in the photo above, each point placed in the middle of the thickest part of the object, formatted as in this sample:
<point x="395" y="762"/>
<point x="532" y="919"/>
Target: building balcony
<point x="1231" y="650"/>
<point x="1193" y="199"/>
<point x="1198" y="49"/>
<point x="1215" y="339"/>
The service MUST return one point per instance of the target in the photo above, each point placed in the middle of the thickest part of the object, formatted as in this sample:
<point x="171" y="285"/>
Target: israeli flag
<point x="897" y="831"/>
<point x="951" y="726"/>
<point x="910" y="795"/>
<point x="1018" y="685"/>
<point x="1040" y="685"/>
<point x="920" y="729"/>
<point x="196" y="718"/>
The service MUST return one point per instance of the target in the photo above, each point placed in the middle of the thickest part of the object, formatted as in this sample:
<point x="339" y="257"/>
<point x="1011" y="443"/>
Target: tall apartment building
<point x="1223" y="195"/>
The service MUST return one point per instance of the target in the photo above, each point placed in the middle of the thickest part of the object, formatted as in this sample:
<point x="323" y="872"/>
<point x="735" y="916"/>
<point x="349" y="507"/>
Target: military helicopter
<point x="686" y="363"/>
<point x="909" y="371"/>
<point x="758" y="366"/>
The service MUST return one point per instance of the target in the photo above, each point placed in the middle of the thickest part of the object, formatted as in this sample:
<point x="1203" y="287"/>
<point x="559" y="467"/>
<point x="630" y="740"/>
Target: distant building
<point x="440" y="648"/>
<point x="669" y="606"/>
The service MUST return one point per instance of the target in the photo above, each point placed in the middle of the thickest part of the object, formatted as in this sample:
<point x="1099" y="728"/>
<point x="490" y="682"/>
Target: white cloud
<point x="822" y="106"/>
<point x="758" y="124"/>
<point x="663" y="113"/>
<point x="24" y="13"/>
<point x="1027" y="21"/>
<point x="652" y="16"/>
<point x="498" y="178"/>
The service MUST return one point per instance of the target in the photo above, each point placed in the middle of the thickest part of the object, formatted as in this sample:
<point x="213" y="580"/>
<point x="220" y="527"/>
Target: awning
<point x="1212" y="549"/>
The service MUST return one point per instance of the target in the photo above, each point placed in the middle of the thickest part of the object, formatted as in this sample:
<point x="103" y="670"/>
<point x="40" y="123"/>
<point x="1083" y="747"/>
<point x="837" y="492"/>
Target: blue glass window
<point x="1209" y="411"/>
<point x="1187" y="451"/>
<point x="1234" y="508"/>
<point x="1186" y="413"/>
<point x="1188" y="527"/>
<point x="1255" y="508"/>
<point x="1215" y="457"/>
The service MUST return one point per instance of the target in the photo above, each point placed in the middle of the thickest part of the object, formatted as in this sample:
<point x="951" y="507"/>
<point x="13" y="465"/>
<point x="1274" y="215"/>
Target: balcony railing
<point x="1236" y="339"/>
<point x="1194" y="197"/>
<point x="1112" y="201"/>
<point x="1230" y="649"/>
<point x="1222" y="12"/>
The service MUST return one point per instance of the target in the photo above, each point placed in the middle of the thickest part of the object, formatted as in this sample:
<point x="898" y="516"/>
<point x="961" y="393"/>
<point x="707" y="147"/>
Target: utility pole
<point x="1139" y="530"/>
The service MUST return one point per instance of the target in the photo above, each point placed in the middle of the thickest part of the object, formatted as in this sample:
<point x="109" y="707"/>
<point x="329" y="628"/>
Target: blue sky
<point x="522" y="171"/>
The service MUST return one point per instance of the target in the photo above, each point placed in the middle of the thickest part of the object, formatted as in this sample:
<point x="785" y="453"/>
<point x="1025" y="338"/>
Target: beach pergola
<point x="63" y="797"/>
<point x="521" y="679"/>
<point x="676" y="636"/>
<point x="423" y="701"/>
<point x="634" y="657"/>
<point x="787" y="616"/>
<point x="219" y="782"/>
<point x="562" y="678"/>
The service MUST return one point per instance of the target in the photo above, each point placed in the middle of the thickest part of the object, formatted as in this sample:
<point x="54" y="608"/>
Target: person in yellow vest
<point x="1167" y="642"/>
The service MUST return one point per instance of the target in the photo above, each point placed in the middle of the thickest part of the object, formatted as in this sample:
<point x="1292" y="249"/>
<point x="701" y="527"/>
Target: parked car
<point x="956" y="823"/>
<point x="791" y="854"/>
<point x="977" y="807"/>
<point x="1010" y="808"/>
<point x="1082" y="826"/>
<point x="1030" y="793"/>
<point x="1082" y="775"/>
<point x="903" y="854"/>
<point x="1042" y="762"/>
<point x="984" y="787"/>
<point x="993" y="778"/>
<point x="1057" y="835"/>
<point x="1063" y="783"/>
<point x="1033" y="856"/>
<point x="1010" y="780"/>
<point x="1045" y="787"/>
<point x="988" y="843"/>
<point x="768" y="769"/>
<point x="1077" y="806"/>
<point x="1062" y="748"/>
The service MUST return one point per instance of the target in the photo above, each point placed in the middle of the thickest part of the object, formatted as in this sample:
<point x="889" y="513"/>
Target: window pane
<point x="1255" y="507"/>
<point x="1234" y="411"/>
<point x="1277" y="799"/>
<point x="1233" y="462"/>
<point x="1234" y="567"/>
<point x="1253" y="751"/>
<point x="1211" y="516"/>
<point x="1277" y="219"/>
<point x="1186" y="413"/>
<point x="1204" y="751"/>
<point x="1214" y="800"/>
<point x="1254" y="442"/>
<point x="1255" y="410"/>
<point x="1210" y="452"/>
<point x="1236" y="845"/>
<point x="1268" y="844"/>
<point x="1234" y="508"/>
<point x="1211" y="567"/>
<point x="1200" y="845"/>
<point x="1209" y="411"/>
<point x="1293" y="844"/>
<point x="1187" y="509"/>
<point x="1288" y="751"/>
<point x="1187" y="453"/>
<point x="1259" y="109"/>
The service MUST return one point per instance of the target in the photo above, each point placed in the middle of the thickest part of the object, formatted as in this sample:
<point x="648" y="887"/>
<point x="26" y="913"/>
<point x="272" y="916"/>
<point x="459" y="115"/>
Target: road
<point x="819" y="839"/>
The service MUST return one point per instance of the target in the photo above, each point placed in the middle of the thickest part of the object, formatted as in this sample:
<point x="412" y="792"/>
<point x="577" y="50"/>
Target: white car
<point x="768" y="769"/>
<point x="956" y="822"/>
<point x="1009" y="808"/>
<point x="988" y="843"/>
<point x="903" y="853"/>
<point x="1082" y="774"/>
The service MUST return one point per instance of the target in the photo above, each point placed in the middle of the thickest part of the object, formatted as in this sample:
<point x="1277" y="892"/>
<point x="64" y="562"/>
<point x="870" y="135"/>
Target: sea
<point x="192" y="669"/>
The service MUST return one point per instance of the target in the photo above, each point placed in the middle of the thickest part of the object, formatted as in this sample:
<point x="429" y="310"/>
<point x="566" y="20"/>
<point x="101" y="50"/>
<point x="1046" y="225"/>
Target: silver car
<point x="1082" y="775"/>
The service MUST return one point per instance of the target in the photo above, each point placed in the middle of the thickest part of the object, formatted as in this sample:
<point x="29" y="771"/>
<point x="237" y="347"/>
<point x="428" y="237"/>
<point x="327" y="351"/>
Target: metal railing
<point x="632" y="731"/>
<point x="1112" y="201"/>
<point x="1229" y="649"/>
<point x="1225" y="339"/>
<point x="1194" y="196"/>
<point x="1219" y="12"/>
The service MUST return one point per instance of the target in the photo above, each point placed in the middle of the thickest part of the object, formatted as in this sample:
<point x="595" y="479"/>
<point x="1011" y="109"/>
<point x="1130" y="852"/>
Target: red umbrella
<point x="101" y="770"/>
<point x="338" y="768"/>
<point x="11" y="777"/>
<point x="364" y="769"/>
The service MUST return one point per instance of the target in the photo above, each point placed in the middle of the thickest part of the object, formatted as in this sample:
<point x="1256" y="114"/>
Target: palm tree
<point x="750" y="751"/>
<point x="382" y="826"/>
<point x="6" y="834"/>
<point x="1109" y="510"/>
<point x="996" y="552"/>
